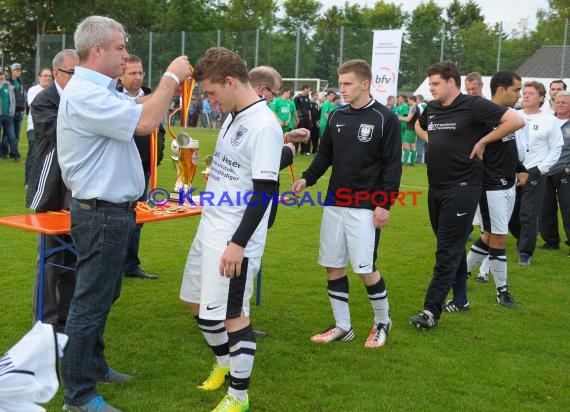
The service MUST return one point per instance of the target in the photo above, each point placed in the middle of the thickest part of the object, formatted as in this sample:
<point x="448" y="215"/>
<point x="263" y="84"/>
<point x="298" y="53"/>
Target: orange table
<point x="59" y="223"/>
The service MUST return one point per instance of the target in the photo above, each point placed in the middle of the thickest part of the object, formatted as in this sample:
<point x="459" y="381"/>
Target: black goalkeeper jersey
<point x="452" y="132"/>
<point x="364" y="147"/>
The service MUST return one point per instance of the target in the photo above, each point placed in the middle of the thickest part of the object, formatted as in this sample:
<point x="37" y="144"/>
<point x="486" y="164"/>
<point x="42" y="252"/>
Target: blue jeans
<point x="101" y="235"/>
<point x="31" y="154"/>
<point x="9" y="143"/>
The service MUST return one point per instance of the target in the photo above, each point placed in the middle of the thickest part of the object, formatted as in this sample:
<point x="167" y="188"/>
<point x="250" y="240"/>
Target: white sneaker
<point x="333" y="334"/>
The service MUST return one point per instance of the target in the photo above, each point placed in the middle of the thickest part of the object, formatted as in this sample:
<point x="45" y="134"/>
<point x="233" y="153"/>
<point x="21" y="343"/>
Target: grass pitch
<point x="489" y="358"/>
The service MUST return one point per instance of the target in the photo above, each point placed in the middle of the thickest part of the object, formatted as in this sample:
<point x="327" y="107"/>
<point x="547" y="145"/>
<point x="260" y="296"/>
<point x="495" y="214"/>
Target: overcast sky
<point x="510" y="12"/>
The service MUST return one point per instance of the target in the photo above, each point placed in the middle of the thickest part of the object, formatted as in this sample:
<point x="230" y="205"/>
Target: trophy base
<point x="175" y="197"/>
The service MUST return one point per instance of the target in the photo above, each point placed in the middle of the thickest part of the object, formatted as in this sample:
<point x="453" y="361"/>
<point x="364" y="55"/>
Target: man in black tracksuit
<point x="47" y="192"/>
<point x="455" y="127"/>
<point x="303" y="105"/>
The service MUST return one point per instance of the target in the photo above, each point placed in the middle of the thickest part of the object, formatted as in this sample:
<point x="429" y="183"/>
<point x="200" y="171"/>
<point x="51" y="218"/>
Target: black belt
<point x="96" y="203"/>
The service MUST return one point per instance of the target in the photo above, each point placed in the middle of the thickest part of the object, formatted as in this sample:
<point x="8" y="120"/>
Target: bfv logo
<point x="383" y="80"/>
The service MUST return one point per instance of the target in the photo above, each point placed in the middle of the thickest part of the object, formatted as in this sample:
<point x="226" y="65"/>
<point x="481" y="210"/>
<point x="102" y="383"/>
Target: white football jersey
<point x="544" y="140"/>
<point x="248" y="148"/>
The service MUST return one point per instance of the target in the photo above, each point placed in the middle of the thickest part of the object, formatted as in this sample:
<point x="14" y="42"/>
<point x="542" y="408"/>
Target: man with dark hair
<point x="362" y="144"/>
<point x="303" y="105"/>
<point x="315" y="116"/>
<point x="226" y="252"/>
<point x="502" y="170"/>
<point x="457" y="128"/>
<point x="131" y="85"/>
<point x="555" y="87"/>
<point x="409" y="138"/>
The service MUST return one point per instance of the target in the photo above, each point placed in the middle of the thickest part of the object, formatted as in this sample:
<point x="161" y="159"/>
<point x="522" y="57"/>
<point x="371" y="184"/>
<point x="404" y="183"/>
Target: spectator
<point x="47" y="192"/>
<point x="206" y="112"/>
<point x="544" y="147"/>
<point x="303" y="105"/>
<point x="402" y="110"/>
<point x="474" y="84"/>
<point x="7" y="109"/>
<point x="45" y="80"/>
<point x="558" y="182"/>
<point x="315" y="116"/>
<point x="331" y="102"/>
<point x="196" y="110"/>
<point x="282" y="109"/>
<point x="131" y="85"/>
<point x="391" y="102"/>
<point x="16" y="81"/>
<point x="409" y="139"/>
<point x="556" y="86"/>
<point x="420" y="143"/>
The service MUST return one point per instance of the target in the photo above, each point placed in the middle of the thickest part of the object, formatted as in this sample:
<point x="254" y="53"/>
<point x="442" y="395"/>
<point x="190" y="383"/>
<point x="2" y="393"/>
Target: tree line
<point x="459" y="30"/>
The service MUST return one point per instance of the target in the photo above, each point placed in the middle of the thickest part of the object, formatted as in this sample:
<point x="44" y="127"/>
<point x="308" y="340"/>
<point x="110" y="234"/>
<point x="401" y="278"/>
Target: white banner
<point x="385" y="63"/>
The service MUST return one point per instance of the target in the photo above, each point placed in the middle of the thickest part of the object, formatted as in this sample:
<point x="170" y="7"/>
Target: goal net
<point x="316" y="85"/>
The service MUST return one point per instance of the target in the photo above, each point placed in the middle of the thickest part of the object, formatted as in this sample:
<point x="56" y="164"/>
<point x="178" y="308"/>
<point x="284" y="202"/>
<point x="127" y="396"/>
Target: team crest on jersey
<point x="365" y="132"/>
<point x="240" y="133"/>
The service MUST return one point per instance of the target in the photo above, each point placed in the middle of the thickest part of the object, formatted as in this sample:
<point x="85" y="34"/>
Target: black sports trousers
<point x="526" y="214"/>
<point x="557" y="192"/>
<point x="451" y="216"/>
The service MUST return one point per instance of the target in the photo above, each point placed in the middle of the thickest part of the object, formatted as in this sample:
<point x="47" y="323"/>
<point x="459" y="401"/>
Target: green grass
<point x="487" y="359"/>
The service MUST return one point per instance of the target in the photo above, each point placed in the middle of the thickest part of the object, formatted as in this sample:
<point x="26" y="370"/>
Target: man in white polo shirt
<point x="101" y="166"/>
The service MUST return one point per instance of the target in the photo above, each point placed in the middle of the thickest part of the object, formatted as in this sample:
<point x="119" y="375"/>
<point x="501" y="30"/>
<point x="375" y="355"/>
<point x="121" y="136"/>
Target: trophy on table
<point x="185" y="151"/>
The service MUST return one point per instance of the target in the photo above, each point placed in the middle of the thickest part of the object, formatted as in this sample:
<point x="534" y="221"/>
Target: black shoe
<point x="549" y="246"/>
<point x="524" y="259"/>
<point x="450" y="306"/>
<point x="504" y="298"/>
<point x="141" y="274"/>
<point x="425" y="320"/>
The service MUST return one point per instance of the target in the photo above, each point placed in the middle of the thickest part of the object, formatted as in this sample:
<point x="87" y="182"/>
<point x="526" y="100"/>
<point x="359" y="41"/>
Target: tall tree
<point x="300" y="14"/>
<point x="550" y="26"/>
<point x="459" y="17"/>
<point x="356" y="34"/>
<point x="384" y="16"/>
<point x="244" y="15"/>
<point x="422" y="44"/>
<point x="300" y="18"/>
<point x="326" y="44"/>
